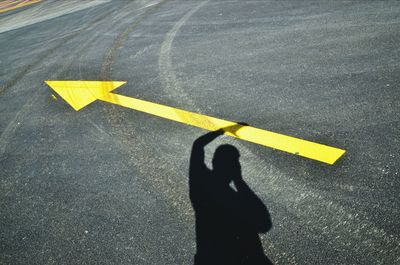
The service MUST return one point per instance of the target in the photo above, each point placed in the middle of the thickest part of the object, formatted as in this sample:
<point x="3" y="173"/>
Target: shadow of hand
<point x="234" y="128"/>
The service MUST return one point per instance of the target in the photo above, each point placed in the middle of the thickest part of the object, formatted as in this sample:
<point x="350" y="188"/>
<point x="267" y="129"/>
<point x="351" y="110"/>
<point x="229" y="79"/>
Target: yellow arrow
<point x="81" y="93"/>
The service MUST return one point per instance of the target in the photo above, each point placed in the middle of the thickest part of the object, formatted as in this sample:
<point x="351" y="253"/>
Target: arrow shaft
<point x="311" y="150"/>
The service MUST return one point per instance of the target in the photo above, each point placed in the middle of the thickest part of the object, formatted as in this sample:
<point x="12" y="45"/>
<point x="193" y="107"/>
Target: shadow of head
<point x="226" y="165"/>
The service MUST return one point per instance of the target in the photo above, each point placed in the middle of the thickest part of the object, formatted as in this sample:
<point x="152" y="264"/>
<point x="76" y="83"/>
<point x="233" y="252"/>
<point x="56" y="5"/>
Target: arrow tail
<point x="304" y="148"/>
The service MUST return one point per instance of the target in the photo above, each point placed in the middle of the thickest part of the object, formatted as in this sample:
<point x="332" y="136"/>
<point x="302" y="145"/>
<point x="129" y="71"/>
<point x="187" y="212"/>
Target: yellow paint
<point x="81" y="93"/>
<point x="20" y="5"/>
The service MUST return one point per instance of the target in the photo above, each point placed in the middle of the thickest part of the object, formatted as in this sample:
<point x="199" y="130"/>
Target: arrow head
<point x="79" y="94"/>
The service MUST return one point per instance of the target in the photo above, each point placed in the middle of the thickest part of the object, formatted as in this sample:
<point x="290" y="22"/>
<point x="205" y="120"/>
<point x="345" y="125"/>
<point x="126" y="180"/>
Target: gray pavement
<point x="109" y="185"/>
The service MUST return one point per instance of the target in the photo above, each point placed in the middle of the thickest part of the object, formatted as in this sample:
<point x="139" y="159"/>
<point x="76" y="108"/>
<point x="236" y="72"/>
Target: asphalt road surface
<point x="109" y="185"/>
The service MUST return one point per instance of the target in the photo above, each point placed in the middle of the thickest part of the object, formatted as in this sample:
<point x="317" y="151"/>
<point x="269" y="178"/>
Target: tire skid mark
<point x="325" y="212"/>
<point x="122" y="133"/>
<point x="13" y="125"/>
<point x="167" y="74"/>
<point x="9" y="131"/>
<point x="49" y="52"/>
<point x="171" y="85"/>
<point x="7" y="134"/>
<point x="145" y="163"/>
<point x="121" y="39"/>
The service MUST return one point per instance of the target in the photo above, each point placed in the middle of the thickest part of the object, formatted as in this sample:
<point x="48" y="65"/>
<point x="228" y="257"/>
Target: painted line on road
<point x="81" y="93"/>
<point x="24" y="3"/>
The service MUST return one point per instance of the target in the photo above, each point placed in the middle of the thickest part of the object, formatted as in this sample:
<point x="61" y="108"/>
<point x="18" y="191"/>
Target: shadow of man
<point x="228" y="220"/>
